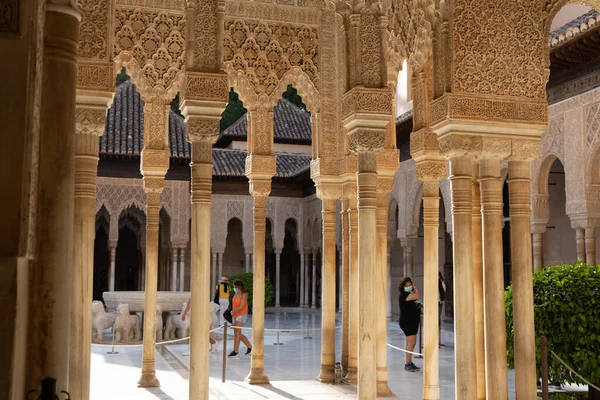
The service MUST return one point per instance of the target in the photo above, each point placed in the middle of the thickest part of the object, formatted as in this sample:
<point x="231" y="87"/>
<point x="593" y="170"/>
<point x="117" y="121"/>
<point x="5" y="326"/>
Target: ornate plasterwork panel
<point x="118" y="194"/>
<point x="266" y="51"/>
<point x="266" y="10"/>
<point x="150" y="43"/>
<point x="157" y="4"/>
<point x="176" y="200"/>
<point x="94" y="28"/>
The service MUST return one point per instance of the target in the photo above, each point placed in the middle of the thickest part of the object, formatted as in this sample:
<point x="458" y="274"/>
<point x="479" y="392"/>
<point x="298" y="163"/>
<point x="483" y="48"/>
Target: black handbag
<point x="227" y="315"/>
<point x="216" y="299"/>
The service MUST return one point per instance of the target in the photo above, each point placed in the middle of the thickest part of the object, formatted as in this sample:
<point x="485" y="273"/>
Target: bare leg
<point x="237" y="334"/>
<point x="411" y="341"/>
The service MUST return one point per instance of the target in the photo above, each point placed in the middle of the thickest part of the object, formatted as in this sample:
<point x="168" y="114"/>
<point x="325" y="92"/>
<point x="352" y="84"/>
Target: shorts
<point x="241" y="318"/>
<point x="409" y="328"/>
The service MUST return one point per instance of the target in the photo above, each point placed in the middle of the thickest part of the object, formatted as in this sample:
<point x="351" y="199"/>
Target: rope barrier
<point x="573" y="371"/>
<point x="412" y="352"/>
<point x="164" y="342"/>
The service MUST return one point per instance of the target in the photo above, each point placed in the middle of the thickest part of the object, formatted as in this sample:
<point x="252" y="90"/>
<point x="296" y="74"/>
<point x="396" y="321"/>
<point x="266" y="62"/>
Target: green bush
<point x="247" y="278"/>
<point x="567" y="311"/>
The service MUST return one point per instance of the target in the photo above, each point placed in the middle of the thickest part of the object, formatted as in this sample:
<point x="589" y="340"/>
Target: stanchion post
<point x="224" y="351"/>
<point x="420" y="337"/>
<point x="544" y="350"/>
<point x="113" y="342"/>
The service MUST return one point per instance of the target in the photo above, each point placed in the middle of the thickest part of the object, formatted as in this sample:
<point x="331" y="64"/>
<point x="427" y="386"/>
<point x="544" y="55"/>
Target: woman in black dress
<point x="410" y="317"/>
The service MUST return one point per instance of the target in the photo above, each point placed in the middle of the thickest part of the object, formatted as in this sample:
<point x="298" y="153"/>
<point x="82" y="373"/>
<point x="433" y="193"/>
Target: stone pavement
<point x="291" y="367"/>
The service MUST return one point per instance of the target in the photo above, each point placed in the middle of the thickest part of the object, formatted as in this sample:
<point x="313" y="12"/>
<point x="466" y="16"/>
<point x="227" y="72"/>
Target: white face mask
<point x="235" y="290"/>
<point x="408" y="289"/>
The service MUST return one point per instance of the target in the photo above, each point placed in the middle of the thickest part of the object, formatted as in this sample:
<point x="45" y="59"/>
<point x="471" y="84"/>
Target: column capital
<point x="155" y="162"/>
<point x="584" y="220"/>
<point x="431" y="170"/>
<point x="327" y="190"/>
<point x="261" y="167"/>
<point x="260" y="190"/>
<point x="90" y="120"/>
<point x="538" y="227"/>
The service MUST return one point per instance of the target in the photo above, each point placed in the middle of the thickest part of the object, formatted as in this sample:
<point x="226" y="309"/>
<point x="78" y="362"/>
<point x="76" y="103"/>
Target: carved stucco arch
<point x="554" y="6"/>
<point x="303" y="84"/>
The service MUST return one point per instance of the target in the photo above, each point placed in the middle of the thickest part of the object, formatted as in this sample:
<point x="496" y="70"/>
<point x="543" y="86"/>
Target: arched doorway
<point x="128" y="264"/>
<point x="234" y="256"/>
<point x="290" y="266"/>
<point x="101" y="254"/>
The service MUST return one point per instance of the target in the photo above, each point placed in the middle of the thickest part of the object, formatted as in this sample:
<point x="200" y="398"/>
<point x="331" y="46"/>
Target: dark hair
<point x="403" y="283"/>
<point x="240" y="285"/>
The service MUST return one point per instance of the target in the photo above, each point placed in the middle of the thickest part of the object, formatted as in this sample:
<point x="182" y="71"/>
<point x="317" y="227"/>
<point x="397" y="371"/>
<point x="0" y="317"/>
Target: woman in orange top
<point x="239" y="311"/>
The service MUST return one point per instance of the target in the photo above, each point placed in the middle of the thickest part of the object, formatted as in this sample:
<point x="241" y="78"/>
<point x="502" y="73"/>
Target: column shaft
<point x="352" y="375"/>
<point x="328" y="293"/>
<point x="367" y="259"/>
<point x="345" y="284"/>
<point x="408" y="260"/>
<point x="247" y="262"/>
<point x="301" y="279"/>
<point x="307" y="277"/>
<point x="590" y="245"/>
<point x="493" y="272"/>
<point x="340" y="298"/>
<point x="478" y="286"/>
<point x="111" y="270"/>
<point x="314" y="279"/>
<point x="381" y="294"/>
<point x="277" y="277"/>
<point x="523" y="321"/>
<point x="220" y="258"/>
<point x="213" y="275"/>
<point x="257" y="371"/>
<point x="86" y="166"/>
<point x="389" y="281"/>
<point x="201" y="292"/>
<point x="174" y="271"/>
<point x="538" y="251"/>
<point x="51" y="272"/>
<point x="181" y="269"/>
<point x="148" y="378"/>
<point x="580" y="239"/>
<point x="464" y="324"/>
<point x="431" y="212"/>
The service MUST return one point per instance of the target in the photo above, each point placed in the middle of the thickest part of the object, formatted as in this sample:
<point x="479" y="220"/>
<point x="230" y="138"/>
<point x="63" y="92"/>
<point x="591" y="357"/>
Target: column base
<point x="383" y="389"/>
<point x="313" y="306"/>
<point x="326" y="374"/>
<point x="148" y="379"/>
<point x="257" y="377"/>
<point x="352" y="376"/>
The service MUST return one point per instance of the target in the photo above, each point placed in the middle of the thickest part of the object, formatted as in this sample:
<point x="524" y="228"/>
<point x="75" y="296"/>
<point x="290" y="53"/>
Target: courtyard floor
<point x="291" y="366"/>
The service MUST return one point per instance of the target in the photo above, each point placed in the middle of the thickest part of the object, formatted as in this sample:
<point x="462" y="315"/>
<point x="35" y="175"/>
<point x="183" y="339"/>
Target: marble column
<point x="431" y="224"/>
<point x="590" y="245"/>
<point x="493" y="277"/>
<point x="478" y="285"/>
<point x="89" y="125"/>
<point x="112" y="247"/>
<point x="220" y="258"/>
<point x="182" y="269"/>
<point x="306" y="277"/>
<point x="388" y="293"/>
<point x="301" y="279"/>
<point x="537" y="245"/>
<point x="367" y="258"/>
<point x="464" y="324"/>
<point x="345" y="286"/>
<point x="580" y="240"/>
<point x="520" y="236"/>
<point x="314" y="279"/>
<point x="340" y="298"/>
<point x="200" y="291"/>
<point x="247" y="265"/>
<point x="328" y="290"/>
<point x="380" y="289"/>
<point x="352" y="375"/>
<point x="50" y="274"/>
<point x="174" y="271"/>
<point x="277" y="277"/>
<point x="257" y="370"/>
<point x="213" y="275"/>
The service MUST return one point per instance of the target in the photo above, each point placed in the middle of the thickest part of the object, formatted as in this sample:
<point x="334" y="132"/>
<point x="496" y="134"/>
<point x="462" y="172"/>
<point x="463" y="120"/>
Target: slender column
<point x="314" y="279"/>
<point x="201" y="292"/>
<point x="478" y="285"/>
<point x="408" y="244"/>
<point x="174" y="271"/>
<point x="520" y="235"/>
<point x="328" y="291"/>
<point x="538" y="251"/>
<point x="580" y="240"/>
<point x="111" y="269"/>
<point x="301" y="279"/>
<point x="213" y="275"/>
<point x="247" y="262"/>
<point x="277" y="277"/>
<point x="339" y="280"/>
<point x="352" y="375"/>
<point x="89" y="125"/>
<point x="153" y="188"/>
<point x="220" y="258"/>
<point x="590" y="245"/>
<point x="306" y="277"/>
<point x="464" y="324"/>
<point x="257" y="372"/>
<point x="182" y="269"/>
<point x="493" y="267"/>
<point x="381" y="293"/>
<point x="431" y="212"/>
<point x="389" y="280"/>
<point x="345" y="284"/>
<point x="51" y="272"/>
<point x="367" y="258"/>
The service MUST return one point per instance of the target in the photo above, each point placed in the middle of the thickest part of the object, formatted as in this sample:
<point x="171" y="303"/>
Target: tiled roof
<point x="124" y="135"/>
<point x="574" y="28"/>
<point x="291" y="123"/>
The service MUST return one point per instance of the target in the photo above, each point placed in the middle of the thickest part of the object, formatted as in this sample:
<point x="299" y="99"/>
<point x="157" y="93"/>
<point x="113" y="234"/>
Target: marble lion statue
<point x="175" y="324"/>
<point x="126" y="326"/>
<point x="159" y="323"/>
<point x="101" y="320"/>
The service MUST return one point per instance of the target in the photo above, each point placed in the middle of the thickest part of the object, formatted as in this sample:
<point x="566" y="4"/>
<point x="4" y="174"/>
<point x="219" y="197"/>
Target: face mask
<point x="235" y="290"/>
<point x="408" y="289"/>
